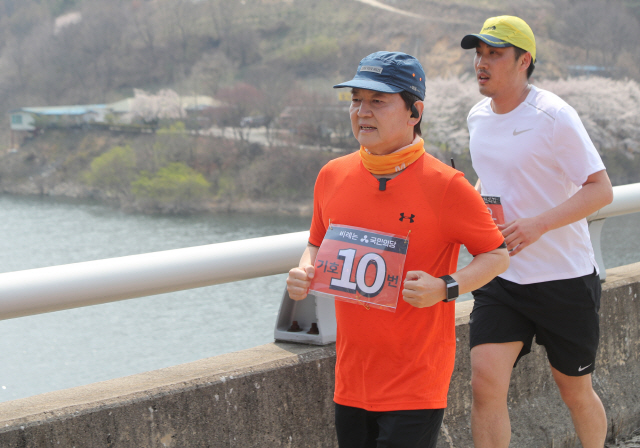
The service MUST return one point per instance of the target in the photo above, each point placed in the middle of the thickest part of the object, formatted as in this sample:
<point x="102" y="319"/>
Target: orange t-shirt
<point x="403" y="360"/>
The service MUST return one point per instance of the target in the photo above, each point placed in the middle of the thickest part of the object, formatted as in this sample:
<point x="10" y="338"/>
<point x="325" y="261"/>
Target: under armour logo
<point x="364" y="239"/>
<point x="410" y="218"/>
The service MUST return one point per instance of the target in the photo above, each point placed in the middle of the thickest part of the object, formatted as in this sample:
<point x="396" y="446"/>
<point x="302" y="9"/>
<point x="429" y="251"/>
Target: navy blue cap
<point x="389" y="72"/>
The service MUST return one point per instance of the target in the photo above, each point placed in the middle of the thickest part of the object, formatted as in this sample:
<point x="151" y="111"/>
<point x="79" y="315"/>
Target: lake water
<point x="70" y="348"/>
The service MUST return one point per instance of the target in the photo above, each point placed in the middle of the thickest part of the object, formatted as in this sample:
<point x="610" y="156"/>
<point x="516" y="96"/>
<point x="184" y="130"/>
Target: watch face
<point x="452" y="291"/>
<point x="452" y="288"/>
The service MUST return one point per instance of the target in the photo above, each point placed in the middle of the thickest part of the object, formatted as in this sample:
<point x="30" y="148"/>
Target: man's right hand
<point x="299" y="280"/>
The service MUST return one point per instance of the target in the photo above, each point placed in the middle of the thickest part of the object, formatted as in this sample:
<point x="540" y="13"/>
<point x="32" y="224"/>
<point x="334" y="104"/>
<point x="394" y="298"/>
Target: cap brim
<point x="471" y="41"/>
<point x="369" y="84"/>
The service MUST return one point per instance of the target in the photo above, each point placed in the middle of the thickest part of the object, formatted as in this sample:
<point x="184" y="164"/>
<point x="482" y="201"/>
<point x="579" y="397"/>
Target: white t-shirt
<point x="536" y="157"/>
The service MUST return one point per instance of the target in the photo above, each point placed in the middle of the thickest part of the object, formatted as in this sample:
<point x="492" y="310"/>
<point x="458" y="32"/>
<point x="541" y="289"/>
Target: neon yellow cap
<point x="503" y="31"/>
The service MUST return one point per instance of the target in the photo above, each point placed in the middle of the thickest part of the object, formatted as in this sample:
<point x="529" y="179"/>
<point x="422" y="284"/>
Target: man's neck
<point x="503" y="104"/>
<point x="389" y="176"/>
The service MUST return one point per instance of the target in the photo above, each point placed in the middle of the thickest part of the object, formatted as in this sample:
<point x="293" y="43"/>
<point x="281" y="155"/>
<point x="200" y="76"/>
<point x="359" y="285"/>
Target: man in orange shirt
<point x="393" y="368"/>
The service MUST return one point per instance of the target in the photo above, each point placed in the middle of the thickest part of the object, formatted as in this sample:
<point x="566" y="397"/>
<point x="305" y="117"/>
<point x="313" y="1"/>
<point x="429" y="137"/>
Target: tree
<point x="144" y="36"/>
<point x="172" y="145"/>
<point x="313" y="117"/>
<point x="174" y="188"/>
<point x="242" y="46"/>
<point x="444" y="123"/>
<point x="102" y="31"/>
<point x="150" y="108"/>
<point x="242" y="100"/>
<point x="222" y="14"/>
<point x="212" y="71"/>
<point x="282" y="174"/>
<point x="113" y="171"/>
<point x="277" y="89"/>
<point x="318" y="54"/>
<point x="603" y="29"/>
<point x="181" y="22"/>
<point x="610" y="111"/>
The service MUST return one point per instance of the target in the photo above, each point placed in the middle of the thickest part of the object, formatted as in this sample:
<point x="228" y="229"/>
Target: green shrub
<point x="174" y="188"/>
<point x="113" y="171"/>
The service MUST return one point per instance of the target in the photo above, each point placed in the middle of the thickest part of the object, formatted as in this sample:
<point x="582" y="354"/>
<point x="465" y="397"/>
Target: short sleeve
<point x="466" y="220"/>
<point x="573" y="149"/>
<point x="318" y="228"/>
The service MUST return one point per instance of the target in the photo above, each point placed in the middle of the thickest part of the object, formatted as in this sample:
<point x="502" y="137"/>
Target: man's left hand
<point x="521" y="233"/>
<point x="422" y="290"/>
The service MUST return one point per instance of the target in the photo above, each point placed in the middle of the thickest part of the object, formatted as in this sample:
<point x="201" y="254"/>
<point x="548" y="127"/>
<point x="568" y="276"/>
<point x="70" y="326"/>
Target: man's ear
<point x="525" y="61"/>
<point x="416" y="112"/>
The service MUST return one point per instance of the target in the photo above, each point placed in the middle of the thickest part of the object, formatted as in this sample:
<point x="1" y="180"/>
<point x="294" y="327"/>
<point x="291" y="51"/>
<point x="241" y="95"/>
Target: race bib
<point x="360" y="266"/>
<point x="495" y="208"/>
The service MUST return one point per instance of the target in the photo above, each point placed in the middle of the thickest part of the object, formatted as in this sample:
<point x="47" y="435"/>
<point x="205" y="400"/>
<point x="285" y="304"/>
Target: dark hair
<point x="409" y="100"/>
<point x="520" y="52"/>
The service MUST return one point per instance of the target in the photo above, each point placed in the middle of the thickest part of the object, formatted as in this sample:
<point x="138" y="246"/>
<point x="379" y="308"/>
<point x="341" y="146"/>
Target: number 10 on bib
<point x="360" y="266"/>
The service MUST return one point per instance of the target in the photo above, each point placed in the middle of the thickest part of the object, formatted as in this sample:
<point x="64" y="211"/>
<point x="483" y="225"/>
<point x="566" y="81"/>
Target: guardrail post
<point x="296" y="320"/>
<point x="595" y="232"/>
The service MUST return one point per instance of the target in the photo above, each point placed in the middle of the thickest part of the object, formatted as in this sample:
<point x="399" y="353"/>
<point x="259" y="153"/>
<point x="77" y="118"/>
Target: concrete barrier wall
<point x="280" y="395"/>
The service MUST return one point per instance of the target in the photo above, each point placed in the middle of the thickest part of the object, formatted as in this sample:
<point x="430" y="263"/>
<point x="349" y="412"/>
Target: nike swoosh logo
<point x="580" y="369"/>
<point x="520" y="132"/>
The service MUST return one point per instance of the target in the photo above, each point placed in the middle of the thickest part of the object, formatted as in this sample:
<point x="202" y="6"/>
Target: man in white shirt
<point x="530" y="149"/>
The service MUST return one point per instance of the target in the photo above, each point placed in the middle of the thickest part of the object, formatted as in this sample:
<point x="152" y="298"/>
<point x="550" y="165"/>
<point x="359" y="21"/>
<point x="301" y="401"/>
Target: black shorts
<point x="562" y="314"/>
<point x="359" y="428"/>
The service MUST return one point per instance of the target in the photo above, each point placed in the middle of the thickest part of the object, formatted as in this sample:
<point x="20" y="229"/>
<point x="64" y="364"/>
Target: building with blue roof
<point x="24" y="119"/>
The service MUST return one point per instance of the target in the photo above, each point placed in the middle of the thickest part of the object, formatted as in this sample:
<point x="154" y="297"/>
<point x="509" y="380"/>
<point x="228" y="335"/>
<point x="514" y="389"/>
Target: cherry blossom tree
<point x="150" y="108"/>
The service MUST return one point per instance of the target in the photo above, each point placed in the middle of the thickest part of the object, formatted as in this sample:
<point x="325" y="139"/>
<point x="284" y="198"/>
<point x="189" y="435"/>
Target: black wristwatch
<point x="452" y="288"/>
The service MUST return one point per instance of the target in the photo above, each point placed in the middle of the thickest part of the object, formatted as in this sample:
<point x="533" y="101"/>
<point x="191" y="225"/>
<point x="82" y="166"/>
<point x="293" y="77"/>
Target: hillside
<point x="91" y="51"/>
<point x="170" y="171"/>
<point x="261" y="57"/>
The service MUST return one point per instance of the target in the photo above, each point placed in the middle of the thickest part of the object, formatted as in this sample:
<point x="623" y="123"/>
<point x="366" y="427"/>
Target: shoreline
<point x="73" y="191"/>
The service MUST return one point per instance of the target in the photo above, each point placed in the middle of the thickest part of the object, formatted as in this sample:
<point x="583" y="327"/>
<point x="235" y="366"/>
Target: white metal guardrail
<point x="626" y="199"/>
<point x="56" y="288"/>
<point x="43" y="290"/>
